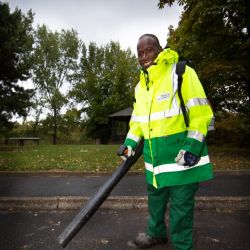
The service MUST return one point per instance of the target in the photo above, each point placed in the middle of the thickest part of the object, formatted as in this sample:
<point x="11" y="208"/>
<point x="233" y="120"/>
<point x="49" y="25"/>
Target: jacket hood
<point x="167" y="56"/>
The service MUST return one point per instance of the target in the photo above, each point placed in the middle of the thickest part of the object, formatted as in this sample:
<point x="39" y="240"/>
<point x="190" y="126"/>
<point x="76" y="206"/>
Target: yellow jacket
<point x="157" y="117"/>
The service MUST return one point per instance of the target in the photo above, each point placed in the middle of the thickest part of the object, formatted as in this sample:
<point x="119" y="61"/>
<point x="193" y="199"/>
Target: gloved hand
<point x="125" y="151"/>
<point x="185" y="158"/>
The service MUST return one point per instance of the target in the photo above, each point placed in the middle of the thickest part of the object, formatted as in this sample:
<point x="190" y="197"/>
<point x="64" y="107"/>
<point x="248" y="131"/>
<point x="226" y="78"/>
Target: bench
<point x="21" y="140"/>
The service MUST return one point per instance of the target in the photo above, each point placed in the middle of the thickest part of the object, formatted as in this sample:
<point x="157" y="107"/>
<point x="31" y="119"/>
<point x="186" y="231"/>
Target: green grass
<point x="229" y="158"/>
<point x="98" y="158"/>
<point x="88" y="158"/>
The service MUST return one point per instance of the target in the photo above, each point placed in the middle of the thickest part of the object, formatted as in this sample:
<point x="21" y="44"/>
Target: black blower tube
<point x="86" y="211"/>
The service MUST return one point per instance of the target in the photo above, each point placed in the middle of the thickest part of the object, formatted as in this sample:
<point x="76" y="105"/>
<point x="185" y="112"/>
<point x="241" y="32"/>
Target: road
<point x="111" y="229"/>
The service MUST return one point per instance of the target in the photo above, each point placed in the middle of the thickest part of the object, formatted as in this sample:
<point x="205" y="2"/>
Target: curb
<point x="118" y="202"/>
<point x="237" y="172"/>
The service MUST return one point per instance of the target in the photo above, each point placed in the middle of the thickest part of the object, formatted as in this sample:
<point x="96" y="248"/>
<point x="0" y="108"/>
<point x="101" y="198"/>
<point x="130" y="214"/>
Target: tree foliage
<point x="213" y="36"/>
<point x="162" y="3"/>
<point x="16" y="39"/>
<point x="56" y="61"/>
<point x="108" y="77"/>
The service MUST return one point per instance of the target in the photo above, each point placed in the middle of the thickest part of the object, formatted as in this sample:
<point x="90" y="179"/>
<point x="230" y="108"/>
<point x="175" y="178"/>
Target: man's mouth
<point x="147" y="64"/>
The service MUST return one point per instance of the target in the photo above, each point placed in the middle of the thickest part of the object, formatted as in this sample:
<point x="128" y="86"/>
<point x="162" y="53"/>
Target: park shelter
<point x="120" y="124"/>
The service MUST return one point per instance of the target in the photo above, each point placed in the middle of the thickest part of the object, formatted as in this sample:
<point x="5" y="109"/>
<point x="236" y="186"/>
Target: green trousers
<point x="181" y="213"/>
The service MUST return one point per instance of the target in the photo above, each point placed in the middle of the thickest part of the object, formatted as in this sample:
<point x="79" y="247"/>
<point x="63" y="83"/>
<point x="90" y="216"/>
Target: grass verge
<point x="98" y="158"/>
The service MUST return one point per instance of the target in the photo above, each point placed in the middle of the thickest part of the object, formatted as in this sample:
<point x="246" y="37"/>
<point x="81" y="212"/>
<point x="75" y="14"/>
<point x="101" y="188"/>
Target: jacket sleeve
<point x="199" y="112"/>
<point x="135" y="133"/>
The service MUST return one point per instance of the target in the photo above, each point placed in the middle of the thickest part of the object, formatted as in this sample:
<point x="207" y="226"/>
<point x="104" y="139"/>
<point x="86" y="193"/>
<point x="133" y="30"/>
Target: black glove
<point x="190" y="159"/>
<point x="125" y="151"/>
<point x="185" y="158"/>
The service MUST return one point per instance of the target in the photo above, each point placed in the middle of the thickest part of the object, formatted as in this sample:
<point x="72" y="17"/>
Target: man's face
<point x="147" y="50"/>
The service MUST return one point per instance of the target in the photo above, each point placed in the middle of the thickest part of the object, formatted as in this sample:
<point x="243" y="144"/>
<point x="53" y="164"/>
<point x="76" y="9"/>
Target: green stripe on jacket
<point x="164" y="150"/>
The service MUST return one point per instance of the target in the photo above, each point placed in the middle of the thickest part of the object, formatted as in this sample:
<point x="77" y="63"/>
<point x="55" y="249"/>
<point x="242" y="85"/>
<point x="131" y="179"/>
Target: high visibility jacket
<point x="157" y="117"/>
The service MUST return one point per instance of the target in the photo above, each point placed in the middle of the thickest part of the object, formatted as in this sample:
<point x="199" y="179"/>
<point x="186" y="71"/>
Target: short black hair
<point x="155" y="38"/>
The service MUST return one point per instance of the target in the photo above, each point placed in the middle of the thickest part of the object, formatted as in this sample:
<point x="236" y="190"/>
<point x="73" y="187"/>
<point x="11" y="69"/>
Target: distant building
<point x="120" y="124"/>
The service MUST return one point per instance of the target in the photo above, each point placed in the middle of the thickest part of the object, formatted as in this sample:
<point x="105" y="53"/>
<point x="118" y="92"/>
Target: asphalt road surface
<point x="77" y="185"/>
<point x="111" y="229"/>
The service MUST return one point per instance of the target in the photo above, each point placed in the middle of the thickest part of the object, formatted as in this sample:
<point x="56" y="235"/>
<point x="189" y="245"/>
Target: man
<point x="176" y="157"/>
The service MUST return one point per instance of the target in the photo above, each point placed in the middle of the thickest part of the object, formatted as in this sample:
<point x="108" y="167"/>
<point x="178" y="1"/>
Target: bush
<point x="231" y="129"/>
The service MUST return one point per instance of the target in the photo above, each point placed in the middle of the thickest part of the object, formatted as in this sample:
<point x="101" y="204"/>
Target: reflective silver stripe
<point x="149" y="167"/>
<point x="157" y="115"/>
<point x="197" y="102"/>
<point x="175" y="104"/>
<point x="192" y="102"/>
<point x="133" y="137"/>
<point x="175" y="109"/>
<point x="174" y="79"/>
<point x="174" y="167"/>
<point x="196" y="135"/>
<point x="142" y="119"/>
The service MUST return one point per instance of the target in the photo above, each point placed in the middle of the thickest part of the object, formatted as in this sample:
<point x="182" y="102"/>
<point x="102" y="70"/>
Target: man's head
<point x="148" y="48"/>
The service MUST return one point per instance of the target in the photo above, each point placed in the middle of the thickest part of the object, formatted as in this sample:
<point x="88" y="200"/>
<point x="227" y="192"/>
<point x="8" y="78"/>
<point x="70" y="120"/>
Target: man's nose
<point x="144" y="55"/>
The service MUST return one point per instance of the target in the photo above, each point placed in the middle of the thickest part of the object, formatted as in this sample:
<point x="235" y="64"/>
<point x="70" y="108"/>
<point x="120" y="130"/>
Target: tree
<point x="70" y="125"/>
<point x="16" y="39"/>
<point x="36" y="110"/>
<point x="214" y="36"/>
<point x="108" y="77"/>
<point x="56" y="61"/>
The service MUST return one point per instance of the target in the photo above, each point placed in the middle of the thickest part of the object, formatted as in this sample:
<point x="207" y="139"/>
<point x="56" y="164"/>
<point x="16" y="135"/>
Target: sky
<point x="100" y="21"/>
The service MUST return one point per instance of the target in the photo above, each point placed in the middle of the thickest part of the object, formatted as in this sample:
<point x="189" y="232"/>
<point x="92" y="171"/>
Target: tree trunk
<point x="55" y="127"/>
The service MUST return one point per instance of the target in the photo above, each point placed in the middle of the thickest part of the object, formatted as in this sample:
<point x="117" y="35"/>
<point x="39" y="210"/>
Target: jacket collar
<point x="166" y="57"/>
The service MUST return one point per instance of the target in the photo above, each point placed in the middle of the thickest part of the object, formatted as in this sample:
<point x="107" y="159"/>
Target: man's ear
<point x="160" y="49"/>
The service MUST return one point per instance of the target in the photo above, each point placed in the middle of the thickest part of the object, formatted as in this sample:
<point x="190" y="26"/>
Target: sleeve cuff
<point x="131" y="143"/>
<point x="193" y="146"/>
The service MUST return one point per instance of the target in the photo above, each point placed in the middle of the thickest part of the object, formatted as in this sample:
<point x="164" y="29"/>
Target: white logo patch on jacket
<point x="163" y="97"/>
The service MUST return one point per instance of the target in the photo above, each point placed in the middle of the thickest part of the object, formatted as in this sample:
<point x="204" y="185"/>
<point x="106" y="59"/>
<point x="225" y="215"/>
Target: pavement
<point x="67" y="190"/>
<point x="35" y="207"/>
<point x="111" y="229"/>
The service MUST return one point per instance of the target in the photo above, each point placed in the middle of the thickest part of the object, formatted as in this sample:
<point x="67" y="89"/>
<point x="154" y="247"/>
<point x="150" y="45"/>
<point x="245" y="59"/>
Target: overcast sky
<point x="101" y="21"/>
